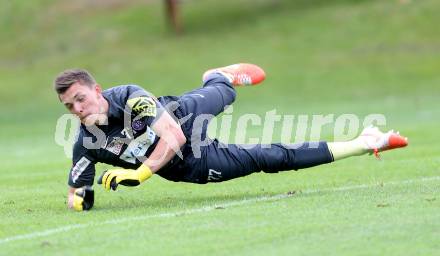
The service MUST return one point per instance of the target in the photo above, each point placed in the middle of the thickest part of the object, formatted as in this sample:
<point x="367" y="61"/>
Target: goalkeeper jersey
<point x="125" y="141"/>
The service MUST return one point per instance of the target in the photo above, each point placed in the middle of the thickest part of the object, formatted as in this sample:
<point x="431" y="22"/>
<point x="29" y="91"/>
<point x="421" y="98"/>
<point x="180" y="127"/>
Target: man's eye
<point x="80" y="99"/>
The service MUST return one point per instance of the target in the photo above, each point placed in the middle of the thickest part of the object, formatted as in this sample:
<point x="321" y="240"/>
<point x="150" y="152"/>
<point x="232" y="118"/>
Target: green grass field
<point x="321" y="57"/>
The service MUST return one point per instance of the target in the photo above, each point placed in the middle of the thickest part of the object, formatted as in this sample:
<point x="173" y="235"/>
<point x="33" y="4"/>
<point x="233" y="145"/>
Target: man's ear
<point x="98" y="88"/>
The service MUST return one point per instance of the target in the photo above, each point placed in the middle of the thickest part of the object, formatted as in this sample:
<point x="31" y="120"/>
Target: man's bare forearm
<point x="171" y="139"/>
<point x="165" y="150"/>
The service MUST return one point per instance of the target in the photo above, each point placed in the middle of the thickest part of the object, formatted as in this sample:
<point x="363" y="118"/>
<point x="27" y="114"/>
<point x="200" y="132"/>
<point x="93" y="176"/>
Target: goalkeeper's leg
<point x="225" y="162"/>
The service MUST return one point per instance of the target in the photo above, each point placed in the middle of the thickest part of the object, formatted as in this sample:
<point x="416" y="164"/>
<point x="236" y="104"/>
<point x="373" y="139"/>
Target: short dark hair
<point x="70" y="76"/>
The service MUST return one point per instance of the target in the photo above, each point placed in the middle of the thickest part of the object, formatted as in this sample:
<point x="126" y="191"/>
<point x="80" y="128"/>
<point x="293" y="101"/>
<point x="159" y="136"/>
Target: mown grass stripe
<point x="49" y="232"/>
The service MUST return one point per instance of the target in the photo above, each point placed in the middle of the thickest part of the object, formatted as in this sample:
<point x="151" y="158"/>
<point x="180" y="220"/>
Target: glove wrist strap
<point x="144" y="172"/>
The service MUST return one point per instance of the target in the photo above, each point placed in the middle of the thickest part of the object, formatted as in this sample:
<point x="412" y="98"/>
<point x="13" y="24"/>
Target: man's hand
<point x="83" y="199"/>
<point x="127" y="177"/>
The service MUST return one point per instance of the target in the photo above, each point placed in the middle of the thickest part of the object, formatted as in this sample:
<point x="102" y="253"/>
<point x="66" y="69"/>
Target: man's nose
<point x="77" y="108"/>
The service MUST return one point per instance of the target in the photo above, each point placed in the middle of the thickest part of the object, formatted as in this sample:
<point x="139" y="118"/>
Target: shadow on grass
<point x="181" y="203"/>
<point x="178" y="204"/>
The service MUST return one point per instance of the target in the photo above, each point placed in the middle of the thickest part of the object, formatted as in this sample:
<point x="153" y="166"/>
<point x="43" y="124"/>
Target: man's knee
<point x="223" y="85"/>
<point x="274" y="159"/>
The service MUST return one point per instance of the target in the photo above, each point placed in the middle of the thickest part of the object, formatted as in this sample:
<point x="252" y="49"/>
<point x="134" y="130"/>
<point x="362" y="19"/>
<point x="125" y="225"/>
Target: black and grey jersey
<point x="125" y="141"/>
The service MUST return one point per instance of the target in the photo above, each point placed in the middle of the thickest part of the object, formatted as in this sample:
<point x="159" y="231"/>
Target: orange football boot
<point x="376" y="141"/>
<point x="239" y="74"/>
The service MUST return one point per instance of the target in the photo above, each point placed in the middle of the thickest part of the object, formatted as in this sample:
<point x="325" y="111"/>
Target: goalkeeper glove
<point x="127" y="177"/>
<point x="83" y="198"/>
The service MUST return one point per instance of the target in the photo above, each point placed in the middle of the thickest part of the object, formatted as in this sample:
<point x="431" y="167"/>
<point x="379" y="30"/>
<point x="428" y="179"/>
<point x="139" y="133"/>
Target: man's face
<point x="85" y="102"/>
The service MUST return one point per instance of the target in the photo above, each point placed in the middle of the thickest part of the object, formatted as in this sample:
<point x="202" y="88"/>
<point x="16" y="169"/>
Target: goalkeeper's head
<point x="82" y="96"/>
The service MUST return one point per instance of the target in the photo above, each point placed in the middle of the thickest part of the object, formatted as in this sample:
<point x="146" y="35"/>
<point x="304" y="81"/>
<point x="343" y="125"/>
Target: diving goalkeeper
<point x="127" y="127"/>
